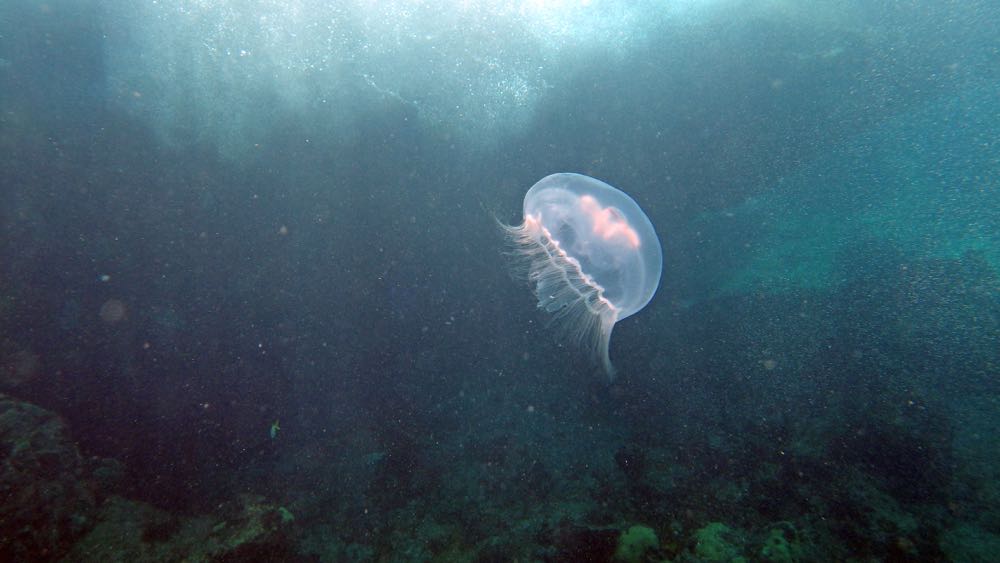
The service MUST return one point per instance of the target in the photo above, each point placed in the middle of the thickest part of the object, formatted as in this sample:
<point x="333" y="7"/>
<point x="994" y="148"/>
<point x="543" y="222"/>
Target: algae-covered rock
<point x="18" y="366"/>
<point x="286" y="515"/>
<point x="46" y="491"/>
<point x="635" y="544"/>
<point x="780" y="546"/>
<point x="128" y="530"/>
<point x="717" y="542"/>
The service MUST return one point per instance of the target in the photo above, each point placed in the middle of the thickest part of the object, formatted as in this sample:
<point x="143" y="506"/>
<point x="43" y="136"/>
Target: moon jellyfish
<point x="591" y="256"/>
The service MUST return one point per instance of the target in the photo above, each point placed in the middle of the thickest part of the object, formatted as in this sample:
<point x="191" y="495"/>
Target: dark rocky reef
<point x="56" y="504"/>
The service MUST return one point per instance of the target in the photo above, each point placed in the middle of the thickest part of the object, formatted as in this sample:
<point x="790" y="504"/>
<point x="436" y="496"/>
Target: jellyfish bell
<point x="590" y="254"/>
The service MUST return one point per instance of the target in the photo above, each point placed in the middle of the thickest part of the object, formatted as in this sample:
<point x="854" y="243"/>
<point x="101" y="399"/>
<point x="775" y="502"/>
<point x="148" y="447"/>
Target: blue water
<point x="249" y="250"/>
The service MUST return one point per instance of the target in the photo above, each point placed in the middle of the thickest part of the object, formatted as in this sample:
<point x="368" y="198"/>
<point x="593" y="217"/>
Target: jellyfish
<point x="591" y="256"/>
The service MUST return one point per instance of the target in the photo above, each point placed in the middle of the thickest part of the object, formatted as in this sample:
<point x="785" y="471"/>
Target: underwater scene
<point x="499" y="281"/>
